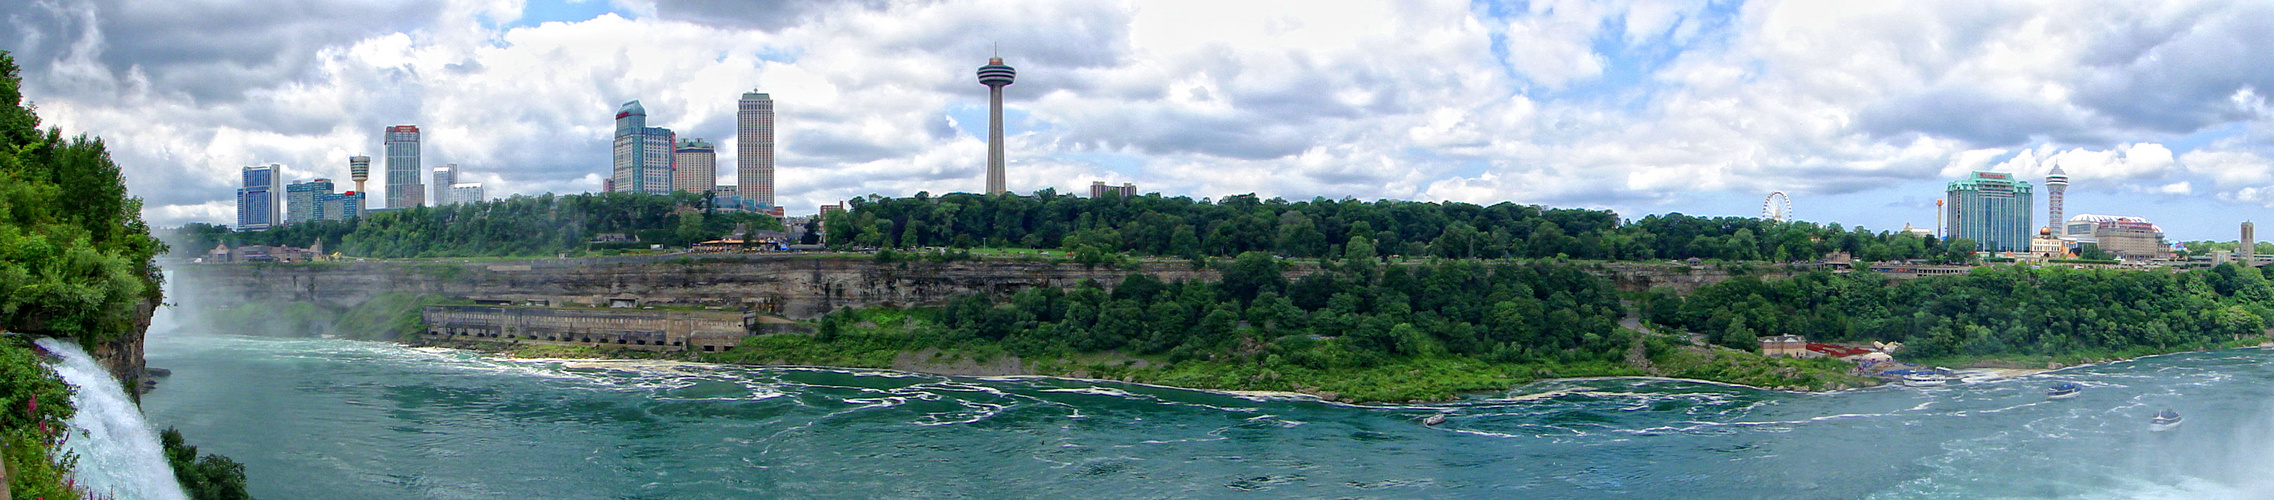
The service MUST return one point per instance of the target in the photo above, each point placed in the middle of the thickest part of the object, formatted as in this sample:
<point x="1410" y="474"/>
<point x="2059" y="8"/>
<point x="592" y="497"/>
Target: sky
<point x="1859" y="111"/>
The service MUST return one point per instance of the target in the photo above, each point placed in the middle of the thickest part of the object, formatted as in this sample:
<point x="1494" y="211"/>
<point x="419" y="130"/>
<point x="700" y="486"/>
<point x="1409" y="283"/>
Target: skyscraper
<point x="1991" y="208"/>
<point x="342" y="206"/>
<point x="257" y="204"/>
<point x="403" y="188"/>
<point x="754" y="148"/>
<point x="359" y="170"/>
<point x="444" y="177"/>
<point x="643" y="153"/>
<point x="697" y="171"/>
<point x="2247" y="249"/>
<point x="995" y="75"/>
<point x="303" y="201"/>
<point x="2056" y="183"/>
<point x="466" y="192"/>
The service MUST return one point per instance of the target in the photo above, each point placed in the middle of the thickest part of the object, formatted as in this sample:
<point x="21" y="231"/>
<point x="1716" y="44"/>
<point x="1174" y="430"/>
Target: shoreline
<point x="615" y="357"/>
<point x="506" y="352"/>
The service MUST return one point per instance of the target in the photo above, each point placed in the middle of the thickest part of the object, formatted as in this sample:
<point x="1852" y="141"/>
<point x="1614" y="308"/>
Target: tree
<point x="1738" y="336"/>
<point x="211" y="477"/>
<point x="1252" y="273"/>
<point x="1960" y="251"/>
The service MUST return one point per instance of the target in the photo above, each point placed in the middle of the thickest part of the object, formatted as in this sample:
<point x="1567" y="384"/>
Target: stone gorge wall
<point x="1683" y="279"/>
<point x="795" y="286"/>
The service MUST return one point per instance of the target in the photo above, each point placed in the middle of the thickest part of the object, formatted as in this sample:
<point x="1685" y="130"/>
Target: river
<point x="315" y="418"/>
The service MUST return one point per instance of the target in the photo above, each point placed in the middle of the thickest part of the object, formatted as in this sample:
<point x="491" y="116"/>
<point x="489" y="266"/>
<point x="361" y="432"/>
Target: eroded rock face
<point x="123" y="356"/>
<point x="789" y="285"/>
<point x="793" y="286"/>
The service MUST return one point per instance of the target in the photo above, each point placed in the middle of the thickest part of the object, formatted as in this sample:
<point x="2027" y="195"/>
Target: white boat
<point x="2064" y="390"/>
<point x="1925" y="380"/>
<point x="1434" y="419"/>
<point x="2164" y="421"/>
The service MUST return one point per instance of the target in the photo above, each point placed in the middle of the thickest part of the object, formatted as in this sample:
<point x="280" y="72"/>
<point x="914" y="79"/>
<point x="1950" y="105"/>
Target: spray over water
<point x="119" y="455"/>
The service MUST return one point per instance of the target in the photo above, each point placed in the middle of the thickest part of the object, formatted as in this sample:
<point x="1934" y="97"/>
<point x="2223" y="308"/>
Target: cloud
<point x="1604" y="104"/>
<point x="2229" y="168"/>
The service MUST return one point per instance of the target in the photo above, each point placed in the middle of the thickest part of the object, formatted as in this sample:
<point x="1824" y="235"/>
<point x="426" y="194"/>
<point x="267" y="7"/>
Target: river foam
<point x="119" y="454"/>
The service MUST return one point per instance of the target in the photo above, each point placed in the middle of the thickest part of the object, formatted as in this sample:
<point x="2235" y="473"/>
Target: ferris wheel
<point x="1777" y="207"/>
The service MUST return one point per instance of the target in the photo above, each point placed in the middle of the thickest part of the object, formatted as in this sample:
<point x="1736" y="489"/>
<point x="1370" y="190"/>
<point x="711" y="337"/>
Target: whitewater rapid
<point x="119" y="454"/>
<point x="331" y="418"/>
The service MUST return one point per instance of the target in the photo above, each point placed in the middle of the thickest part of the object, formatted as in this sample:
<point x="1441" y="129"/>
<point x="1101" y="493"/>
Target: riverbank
<point x="2016" y="365"/>
<point x="1413" y="379"/>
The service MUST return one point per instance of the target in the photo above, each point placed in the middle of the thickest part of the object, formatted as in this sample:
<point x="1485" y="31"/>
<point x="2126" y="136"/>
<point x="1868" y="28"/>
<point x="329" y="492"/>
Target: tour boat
<point x="2064" y="390"/>
<point x="1434" y="419"/>
<point x="1924" y="380"/>
<point x="2164" y="421"/>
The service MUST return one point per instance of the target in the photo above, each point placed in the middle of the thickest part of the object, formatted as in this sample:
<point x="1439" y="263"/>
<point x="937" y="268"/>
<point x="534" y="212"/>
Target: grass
<point x="880" y="336"/>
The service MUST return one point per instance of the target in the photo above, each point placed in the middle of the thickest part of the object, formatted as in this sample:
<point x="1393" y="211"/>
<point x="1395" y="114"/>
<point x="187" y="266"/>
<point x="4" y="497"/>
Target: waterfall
<point x="119" y="454"/>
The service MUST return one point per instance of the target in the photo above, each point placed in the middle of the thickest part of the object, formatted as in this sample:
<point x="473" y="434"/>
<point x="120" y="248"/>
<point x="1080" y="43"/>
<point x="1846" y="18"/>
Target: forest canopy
<point x="1180" y="226"/>
<point x="75" y="256"/>
<point x="1993" y="311"/>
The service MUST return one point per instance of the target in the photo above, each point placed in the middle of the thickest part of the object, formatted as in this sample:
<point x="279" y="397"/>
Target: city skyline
<point x="1860" y="112"/>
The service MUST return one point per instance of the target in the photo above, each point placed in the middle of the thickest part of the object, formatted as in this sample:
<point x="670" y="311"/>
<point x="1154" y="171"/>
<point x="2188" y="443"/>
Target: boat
<point x="1434" y="419"/>
<point x="2164" y="421"/>
<point x="2064" y="390"/>
<point x="1925" y="380"/>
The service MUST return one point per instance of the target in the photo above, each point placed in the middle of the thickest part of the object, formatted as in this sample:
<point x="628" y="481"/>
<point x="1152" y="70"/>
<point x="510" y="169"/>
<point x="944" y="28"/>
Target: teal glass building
<point x="1991" y="208"/>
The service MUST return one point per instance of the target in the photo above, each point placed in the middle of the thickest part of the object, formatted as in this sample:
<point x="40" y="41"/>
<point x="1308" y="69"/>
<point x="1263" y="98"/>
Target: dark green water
<point x="343" y="419"/>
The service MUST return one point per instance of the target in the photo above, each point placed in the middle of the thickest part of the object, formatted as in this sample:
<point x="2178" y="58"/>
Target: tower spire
<point x="995" y="75"/>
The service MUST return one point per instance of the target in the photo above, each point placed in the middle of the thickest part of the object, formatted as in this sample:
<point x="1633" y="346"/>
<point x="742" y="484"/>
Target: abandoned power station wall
<point x="639" y="329"/>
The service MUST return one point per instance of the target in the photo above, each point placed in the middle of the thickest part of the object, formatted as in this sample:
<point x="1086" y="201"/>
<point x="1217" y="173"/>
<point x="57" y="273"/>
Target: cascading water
<point x="119" y="455"/>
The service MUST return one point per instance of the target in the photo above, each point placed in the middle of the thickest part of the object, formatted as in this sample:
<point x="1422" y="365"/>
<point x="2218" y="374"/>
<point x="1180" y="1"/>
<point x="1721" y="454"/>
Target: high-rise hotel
<point x="403" y="188"/>
<point x="698" y="166"/>
<point x="754" y="149"/>
<point x="1991" y="208"/>
<point x="258" y="203"/>
<point x="644" y="154"/>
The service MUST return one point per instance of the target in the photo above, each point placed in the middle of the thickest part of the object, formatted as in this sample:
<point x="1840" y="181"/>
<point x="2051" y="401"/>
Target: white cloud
<point x="2229" y="168"/>
<point x="1568" y="103"/>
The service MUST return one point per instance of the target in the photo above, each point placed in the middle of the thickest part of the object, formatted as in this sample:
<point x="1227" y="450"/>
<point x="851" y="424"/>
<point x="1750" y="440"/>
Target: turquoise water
<point x="343" y="419"/>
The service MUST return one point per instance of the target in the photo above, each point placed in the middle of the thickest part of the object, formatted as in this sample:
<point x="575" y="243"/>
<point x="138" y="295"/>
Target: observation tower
<point x="995" y="75"/>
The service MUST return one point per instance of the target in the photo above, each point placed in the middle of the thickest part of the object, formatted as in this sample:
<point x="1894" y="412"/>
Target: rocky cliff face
<point x="1683" y="279"/>
<point x="123" y="356"/>
<point x="795" y="286"/>
<point x="789" y="285"/>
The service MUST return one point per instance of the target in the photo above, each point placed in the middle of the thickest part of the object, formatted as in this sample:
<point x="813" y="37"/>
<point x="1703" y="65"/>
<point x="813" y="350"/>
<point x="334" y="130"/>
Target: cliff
<point x="123" y="356"/>
<point x="794" y="286"/>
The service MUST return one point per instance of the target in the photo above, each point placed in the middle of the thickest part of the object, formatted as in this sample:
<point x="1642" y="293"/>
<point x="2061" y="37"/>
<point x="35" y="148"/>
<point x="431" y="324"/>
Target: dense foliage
<point x="1994" y="311"/>
<point x="33" y="405"/>
<point x="75" y="256"/>
<point x="528" y="226"/>
<point x="1353" y="315"/>
<point x="1356" y="330"/>
<point x="211" y="477"/>
<point x="1181" y="226"/>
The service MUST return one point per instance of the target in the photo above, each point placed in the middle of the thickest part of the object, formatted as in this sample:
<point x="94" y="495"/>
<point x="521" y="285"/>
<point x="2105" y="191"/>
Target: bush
<point x="211" y="477"/>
